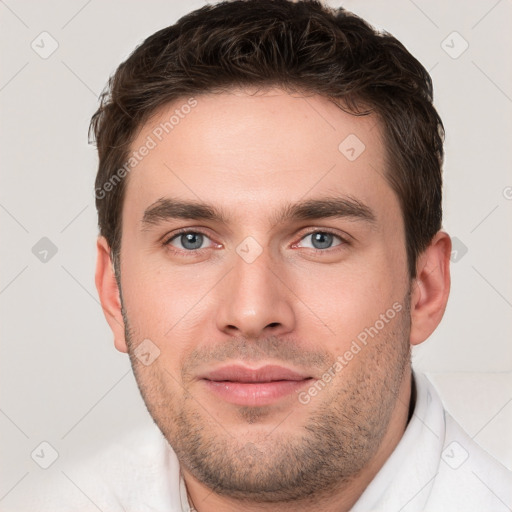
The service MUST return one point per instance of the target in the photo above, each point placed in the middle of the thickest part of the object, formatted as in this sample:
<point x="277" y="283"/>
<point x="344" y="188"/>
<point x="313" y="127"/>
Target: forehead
<point x="244" y="149"/>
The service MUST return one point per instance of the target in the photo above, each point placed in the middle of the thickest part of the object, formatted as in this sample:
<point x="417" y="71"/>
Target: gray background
<point x="62" y="381"/>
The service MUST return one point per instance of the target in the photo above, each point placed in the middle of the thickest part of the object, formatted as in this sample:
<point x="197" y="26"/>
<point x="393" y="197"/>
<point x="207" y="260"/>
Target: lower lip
<point x="254" y="393"/>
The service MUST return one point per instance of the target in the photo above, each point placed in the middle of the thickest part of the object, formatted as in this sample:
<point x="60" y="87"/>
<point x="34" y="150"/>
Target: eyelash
<point x="343" y="241"/>
<point x="195" y="252"/>
<point x="184" y="231"/>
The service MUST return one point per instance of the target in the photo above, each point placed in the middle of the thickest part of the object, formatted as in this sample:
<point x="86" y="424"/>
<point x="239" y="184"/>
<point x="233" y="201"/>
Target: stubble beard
<point x="342" y="433"/>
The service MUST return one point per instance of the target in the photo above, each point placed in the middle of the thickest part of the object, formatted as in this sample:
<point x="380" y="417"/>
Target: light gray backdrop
<point x="62" y="381"/>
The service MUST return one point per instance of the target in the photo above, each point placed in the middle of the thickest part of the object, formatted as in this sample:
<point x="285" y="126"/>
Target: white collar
<point x="407" y="477"/>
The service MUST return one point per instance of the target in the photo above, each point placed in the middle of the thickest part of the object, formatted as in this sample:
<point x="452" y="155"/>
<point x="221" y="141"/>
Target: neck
<point x="341" y="499"/>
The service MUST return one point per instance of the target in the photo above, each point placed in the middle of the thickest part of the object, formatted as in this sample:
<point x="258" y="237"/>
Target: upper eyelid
<point x="344" y="239"/>
<point x="325" y="230"/>
<point x="169" y="238"/>
<point x="344" y="236"/>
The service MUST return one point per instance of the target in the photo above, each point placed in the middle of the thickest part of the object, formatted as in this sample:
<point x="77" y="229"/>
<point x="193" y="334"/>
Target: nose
<point x="254" y="301"/>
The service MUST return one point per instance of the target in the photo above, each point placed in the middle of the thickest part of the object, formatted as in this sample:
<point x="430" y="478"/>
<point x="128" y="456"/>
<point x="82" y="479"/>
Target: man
<point x="269" y="201"/>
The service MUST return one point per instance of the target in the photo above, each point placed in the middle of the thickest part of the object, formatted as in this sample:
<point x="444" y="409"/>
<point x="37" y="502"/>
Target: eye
<point x="188" y="240"/>
<point x="322" y="240"/>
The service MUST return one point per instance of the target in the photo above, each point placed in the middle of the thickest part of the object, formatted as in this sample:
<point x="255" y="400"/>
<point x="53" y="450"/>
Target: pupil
<point x="192" y="240"/>
<point x="322" y="240"/>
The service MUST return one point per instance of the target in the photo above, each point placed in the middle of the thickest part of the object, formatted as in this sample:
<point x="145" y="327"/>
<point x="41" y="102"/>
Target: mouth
<point x="240" y="385"/>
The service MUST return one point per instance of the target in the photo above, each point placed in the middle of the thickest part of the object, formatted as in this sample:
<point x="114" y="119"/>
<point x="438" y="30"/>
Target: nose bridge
<point x="253" y="298"/>
<point x="254" y="278"/>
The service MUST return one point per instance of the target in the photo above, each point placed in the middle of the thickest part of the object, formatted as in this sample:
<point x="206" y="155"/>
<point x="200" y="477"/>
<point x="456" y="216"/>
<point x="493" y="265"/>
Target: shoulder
<point x="138" y="469"/>
<point x="468" y="478"/>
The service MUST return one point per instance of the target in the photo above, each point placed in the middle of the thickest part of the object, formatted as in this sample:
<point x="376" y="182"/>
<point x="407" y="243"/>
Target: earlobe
<point x="431" y="288"/>
<point x="108" y="292"/>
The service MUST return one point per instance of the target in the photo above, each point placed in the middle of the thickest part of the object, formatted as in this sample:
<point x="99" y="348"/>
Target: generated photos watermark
<point x="136" y="156"/>
<point x="343" y="360"/>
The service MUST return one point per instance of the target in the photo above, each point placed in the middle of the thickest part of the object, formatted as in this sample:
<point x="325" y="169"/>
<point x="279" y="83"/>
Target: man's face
<point x="249" y="313"/>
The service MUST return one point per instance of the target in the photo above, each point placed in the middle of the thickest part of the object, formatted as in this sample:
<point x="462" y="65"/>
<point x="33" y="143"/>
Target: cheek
<point x="163" y="303"/>
<point x="342" y="300"/>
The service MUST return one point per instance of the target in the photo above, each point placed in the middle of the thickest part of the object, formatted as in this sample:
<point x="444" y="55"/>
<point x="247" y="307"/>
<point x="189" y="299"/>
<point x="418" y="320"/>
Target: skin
<point x="249" y="155"/>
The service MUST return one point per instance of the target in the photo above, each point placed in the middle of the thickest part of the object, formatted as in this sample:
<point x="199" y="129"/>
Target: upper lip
<point x="239" y="373"/>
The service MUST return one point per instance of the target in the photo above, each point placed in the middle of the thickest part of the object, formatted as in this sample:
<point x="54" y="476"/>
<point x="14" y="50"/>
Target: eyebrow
<point x="168" y="208"/>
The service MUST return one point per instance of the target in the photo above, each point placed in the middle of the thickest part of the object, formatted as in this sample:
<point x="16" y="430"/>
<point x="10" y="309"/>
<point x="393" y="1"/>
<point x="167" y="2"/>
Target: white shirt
<point x="436" y="467"/>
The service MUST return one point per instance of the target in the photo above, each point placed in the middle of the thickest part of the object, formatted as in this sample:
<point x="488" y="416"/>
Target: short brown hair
<point x="300" y="46"/>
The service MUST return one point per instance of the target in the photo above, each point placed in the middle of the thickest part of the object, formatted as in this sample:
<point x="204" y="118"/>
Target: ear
<point x="431" y="288"/>
<point x="109" y="293"/>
